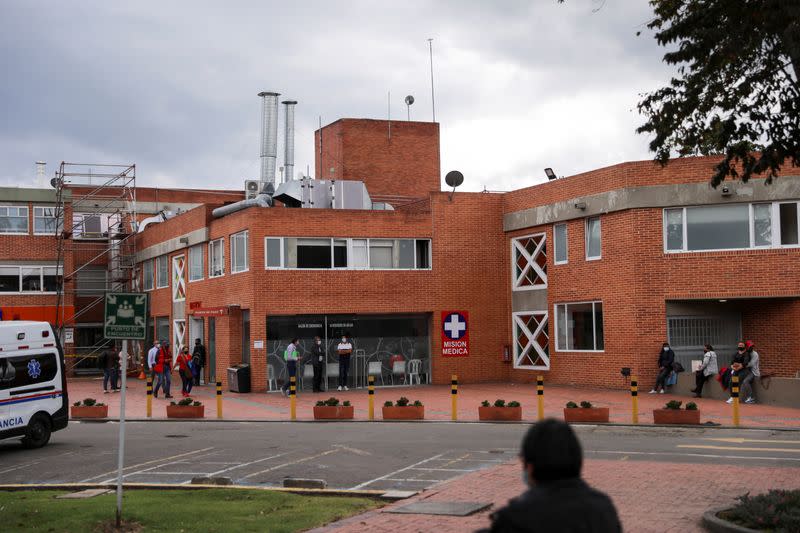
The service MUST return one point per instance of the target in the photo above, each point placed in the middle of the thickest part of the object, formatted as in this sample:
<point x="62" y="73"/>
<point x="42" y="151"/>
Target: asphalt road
<point x="380" y="456"/>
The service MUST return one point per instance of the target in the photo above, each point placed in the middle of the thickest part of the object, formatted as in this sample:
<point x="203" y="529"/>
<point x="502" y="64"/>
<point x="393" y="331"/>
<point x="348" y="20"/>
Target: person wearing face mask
<point x="317" y="361"/>
<point x="556" y="498"/>
<point x="344" y="349"/>
<point x="291" y="365"/>
<point x="750" y="373"/>
<point x="707" y="369"/>
<point x="665" y="360"/>
<point x="738" y="365"/>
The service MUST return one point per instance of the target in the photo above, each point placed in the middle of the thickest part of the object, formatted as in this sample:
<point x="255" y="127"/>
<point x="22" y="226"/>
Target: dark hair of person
<point x="552" y="448"/>
<point x="665" y="345"/>
<point x="709" y="348"/>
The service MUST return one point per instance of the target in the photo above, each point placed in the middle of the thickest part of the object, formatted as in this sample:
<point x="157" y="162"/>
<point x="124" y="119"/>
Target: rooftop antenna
<point x="454" y="178"/>
<point x="41" y="181"/>
<point x="319" y="174"/>
<point x="409" y="101"/>
<point x="389" y="113"/>
<point x="433" y="99"/>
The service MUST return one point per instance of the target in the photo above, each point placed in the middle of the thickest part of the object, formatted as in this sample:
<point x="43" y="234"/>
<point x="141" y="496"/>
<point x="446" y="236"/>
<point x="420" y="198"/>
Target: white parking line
<point x="708" y="455"/>
<point x="389" y="475"/>
<point x="446" y="469"/>
<point x="303" y="460"/>
<point x="90" y="479"/>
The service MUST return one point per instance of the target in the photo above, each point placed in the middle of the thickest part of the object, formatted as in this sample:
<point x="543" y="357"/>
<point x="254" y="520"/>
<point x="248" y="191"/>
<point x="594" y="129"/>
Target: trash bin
<point x="239" y="378"/>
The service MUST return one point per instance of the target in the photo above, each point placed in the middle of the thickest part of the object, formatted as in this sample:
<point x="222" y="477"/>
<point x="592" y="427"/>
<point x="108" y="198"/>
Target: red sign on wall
<point x="209" y="311"/>
<point x="455" y="333"/>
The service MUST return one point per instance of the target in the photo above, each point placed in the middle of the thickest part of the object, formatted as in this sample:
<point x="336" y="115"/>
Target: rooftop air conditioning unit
<point x="251" y="189"/>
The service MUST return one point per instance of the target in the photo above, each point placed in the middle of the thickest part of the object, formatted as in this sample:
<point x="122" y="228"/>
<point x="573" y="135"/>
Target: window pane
<point x="360" y="253"/>
<point x="788" y="215"/>
<point x="148" y="275"/>
<point x="195" y="263"/>
<point x="406" y="253"/>
<point x="14" y="219"/>
<point x="216" y="259"/>
<point x="44" y="220"/>
<point x="313" y="253"/>
<point x="674" y="222"/>
<point x="593" y="248"/>
<point x="31" y="279"/>
<point x="380" y="253"/>
<point x="598" y="326"/>
<point x="239" y="252"/>
<point x="561" y="327"/>
<point x="423" y="254"/>
<point x="162" y="279"/>
<point x="718" y="227"/>
<point x="9" y="279"/>
<point x="273" y="253"/>
<point x="580" y="326"/>
<point x="51" y="278"/>
<point x="560" y="237"/>
<point x="762" y="224"/>
<point x="340" y="253"/>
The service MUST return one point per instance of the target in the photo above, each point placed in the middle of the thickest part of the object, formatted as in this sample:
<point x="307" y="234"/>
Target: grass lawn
<point x="177" y="510"/>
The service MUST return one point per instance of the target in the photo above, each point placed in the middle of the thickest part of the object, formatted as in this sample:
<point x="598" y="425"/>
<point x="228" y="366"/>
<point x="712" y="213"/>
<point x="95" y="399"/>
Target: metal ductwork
<point x="262" y="200"/>
<point x="288" y="140"/>
<point x="269" y="139"/>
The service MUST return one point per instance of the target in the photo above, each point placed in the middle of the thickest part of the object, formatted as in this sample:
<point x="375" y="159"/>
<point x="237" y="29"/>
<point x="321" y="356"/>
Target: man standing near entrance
<point x="344" y="350"/>
<point x="198" y="360"/>
<point x="318" y="360"/>
<point x="291" y="365"/>
<point x="152" y="356"/>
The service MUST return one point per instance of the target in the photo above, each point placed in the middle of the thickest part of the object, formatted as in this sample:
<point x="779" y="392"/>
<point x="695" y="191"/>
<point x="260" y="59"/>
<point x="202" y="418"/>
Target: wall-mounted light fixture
<point x="580" y="205"/>
<point x="550" y="174"/>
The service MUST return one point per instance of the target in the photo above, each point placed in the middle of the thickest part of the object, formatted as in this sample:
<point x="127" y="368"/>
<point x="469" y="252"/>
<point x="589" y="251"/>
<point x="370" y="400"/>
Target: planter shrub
<point x="512" y="411"/>
<point x="777" y="510"/>
<point x="673" y="414"/>
<point x="89" y="408"/>
<point x="331" y="410"/>
<point x="403" y="410"/>
<point x="186" y="408"/>
<point x="585" y="413"/>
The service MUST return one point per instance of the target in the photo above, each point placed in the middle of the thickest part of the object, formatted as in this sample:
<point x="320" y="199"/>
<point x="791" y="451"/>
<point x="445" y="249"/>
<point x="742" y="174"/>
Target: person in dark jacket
<point x="665" y="360"/>
<point x="109" y="362"/>
<point x="318" y="361"/>
<point x="198" y="360"/>
<point x="738" y="367"/>
<point x="557" y="499"/>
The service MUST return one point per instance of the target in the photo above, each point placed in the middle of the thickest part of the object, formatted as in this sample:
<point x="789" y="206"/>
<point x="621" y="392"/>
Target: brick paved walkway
<point x="649" y="496"/>
<point x="273" y="406"/>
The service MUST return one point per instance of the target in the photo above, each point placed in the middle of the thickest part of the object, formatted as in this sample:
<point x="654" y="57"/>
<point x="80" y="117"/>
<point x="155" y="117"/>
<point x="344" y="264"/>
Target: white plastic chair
<point x="331" y="371"/>
<point x="308" y="372"/>
<point x="414" y="366"/>
<point x="399" y="369"/>
<point x="374" y="369"/>
<point x="272" y="382"/>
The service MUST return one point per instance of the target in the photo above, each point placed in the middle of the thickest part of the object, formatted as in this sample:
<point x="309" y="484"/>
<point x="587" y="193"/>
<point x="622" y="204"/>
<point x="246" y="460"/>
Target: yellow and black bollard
<point x="635" y="399"/>
<point x="540" y="396"/>
<point x="293" y="397"/>
<point x="219" y="399"/>
<point x="372" y="397"/>
<point x="454" y="396"/>
<point x="149" y="396"/>
<point x="735" y="396"/>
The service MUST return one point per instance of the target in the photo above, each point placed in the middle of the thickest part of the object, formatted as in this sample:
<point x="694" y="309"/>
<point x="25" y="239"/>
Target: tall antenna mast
<point x="433" y="98"/>
<point x="389" y="113"/>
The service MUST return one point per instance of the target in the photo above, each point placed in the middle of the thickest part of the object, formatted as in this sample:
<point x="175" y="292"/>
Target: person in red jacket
<point x="163" y="370"/>
<point x="184" y="368"/>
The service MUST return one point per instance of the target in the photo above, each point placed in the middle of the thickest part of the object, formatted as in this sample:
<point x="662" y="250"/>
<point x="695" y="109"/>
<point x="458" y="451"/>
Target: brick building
<point x="575" y="278"/>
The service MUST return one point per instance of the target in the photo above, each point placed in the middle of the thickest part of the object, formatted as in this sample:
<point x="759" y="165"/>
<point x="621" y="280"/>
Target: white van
<point x="33" y="384"/>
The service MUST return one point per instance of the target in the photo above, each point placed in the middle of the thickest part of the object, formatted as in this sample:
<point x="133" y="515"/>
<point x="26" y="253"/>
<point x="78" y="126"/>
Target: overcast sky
<point x="171" y="86"/>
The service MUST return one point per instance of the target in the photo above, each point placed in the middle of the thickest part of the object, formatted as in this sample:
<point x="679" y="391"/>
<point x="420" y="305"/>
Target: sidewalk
<point x="436" y="398"/>
<point x="649" y="496"/>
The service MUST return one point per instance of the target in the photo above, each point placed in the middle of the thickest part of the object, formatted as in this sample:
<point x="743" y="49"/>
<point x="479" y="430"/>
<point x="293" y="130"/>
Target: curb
<point x="716" y="524"/>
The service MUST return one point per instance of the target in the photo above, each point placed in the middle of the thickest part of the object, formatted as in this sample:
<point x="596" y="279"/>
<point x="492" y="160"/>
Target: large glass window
<point x="162" y="272"/>
<point x="313" y="253"/>
<point x="239" y="262"/>
<point x="593" y="245"/>
<point x="216" y="258"/>
<point x="579" y="327"/>
<point x="29" y="278"/>
<point x="44" y="221"/>
<point x="325" y="253"/>
<point x="147" y="275"/>
<point x="13" y="219"/>
<point x="788" y="218"/>
<point x="560" y="238"/>
<point x="9" y="279"/>
<point x="718" y="227"/>
<point x="196" y="263"/>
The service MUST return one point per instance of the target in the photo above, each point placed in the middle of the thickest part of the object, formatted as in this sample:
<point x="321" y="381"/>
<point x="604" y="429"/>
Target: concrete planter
<point x="89" y="411"/>
<point x="715" y="524"/>
<point x="409" y="412"/>
<point x="584" y="414"/>
<point x="676" y="416"/>
<point x="333" y="412"/>
<point x="186" y="411"/>
<point x="500" y="413"/>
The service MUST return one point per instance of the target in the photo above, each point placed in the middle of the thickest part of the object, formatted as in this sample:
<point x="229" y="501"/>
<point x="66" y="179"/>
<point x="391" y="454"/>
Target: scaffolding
<point x="96" y="242"/>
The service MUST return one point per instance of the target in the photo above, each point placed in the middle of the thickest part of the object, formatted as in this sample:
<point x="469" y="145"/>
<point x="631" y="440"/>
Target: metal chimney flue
<point x="269" y="139"/>
<point x="288" y="140"/>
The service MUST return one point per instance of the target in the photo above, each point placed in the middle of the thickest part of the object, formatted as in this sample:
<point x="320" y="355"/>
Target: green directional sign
<point x="126" y="315"/>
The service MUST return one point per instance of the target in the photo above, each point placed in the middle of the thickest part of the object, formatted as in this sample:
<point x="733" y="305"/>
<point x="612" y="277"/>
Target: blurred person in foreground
<point x="557" y="499"/>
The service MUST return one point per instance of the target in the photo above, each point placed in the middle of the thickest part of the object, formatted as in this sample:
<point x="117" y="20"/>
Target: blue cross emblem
<point x="34" y="369"/>
<point x="455" y="326"/>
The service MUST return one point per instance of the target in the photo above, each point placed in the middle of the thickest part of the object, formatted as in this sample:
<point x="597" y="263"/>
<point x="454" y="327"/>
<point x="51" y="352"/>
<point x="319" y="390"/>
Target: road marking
<point x="362" y="485"/>
<point x="218" y="472"/>
<point x="738" y="448"/>
<point x="354" y="450"/>
<point x="707" y="455"/>
<point x="24" y="465"/>
<point x="446" y="469"/>
<point x="89" y="479"/>
<point x="742" y="441"/>
<point x="303" y="460"/>
<point x="412" y="480"/>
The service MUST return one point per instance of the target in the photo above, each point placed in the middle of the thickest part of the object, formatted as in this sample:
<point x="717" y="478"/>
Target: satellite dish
<point x="454" y="178"/>
<point x="409" y="100"/>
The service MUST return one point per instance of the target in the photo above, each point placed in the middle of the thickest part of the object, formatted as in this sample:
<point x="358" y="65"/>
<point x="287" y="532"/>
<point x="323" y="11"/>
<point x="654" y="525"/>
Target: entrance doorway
<point x="196" y="332"/>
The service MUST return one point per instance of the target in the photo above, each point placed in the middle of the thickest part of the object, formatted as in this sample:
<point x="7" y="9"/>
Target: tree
<point x="736" y="93"/>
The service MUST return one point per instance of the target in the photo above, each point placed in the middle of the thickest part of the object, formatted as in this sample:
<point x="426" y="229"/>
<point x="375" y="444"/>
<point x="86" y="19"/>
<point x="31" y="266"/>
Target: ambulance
<point x="33" y="385"/>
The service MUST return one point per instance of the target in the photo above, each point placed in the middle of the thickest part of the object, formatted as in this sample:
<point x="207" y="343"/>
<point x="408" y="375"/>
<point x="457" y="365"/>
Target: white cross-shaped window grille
<point x="179" y="337"/>
<point x="178" y="279"/>
<point x="531" y="341"/>
<point x="529" y="262"/>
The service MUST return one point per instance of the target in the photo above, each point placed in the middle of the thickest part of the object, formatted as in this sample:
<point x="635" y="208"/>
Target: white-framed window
<point x="216" y="258"/>
<point x="196" y="263"/>
<point x="45" y="221"/>
<point x="345" y="253"/>
<point x="147" y="275"/>
<point x="162" y="272"/>
<point x="531" y="340"/>
<point x="13" y="219"/>
<point x="594" y="248"/>
<point x="29" y="279"/>
<point x="529" y="262"/>
<point x="579" y="327"/>
<point x="560" y="249"/>
<point x="731" y="227"/>
<point x="239" y="255"/>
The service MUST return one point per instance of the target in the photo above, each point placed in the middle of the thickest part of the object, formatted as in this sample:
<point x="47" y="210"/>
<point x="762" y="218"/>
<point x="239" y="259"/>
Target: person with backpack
<point x="707" y="369"/>
<point x="183" y="365"/>
<point x="750" y="373"/>
<point x="290" y="355"/>
<point x="198" y="360"/>
<point x="163" y="370"/>
<point x="109" y="363"/>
